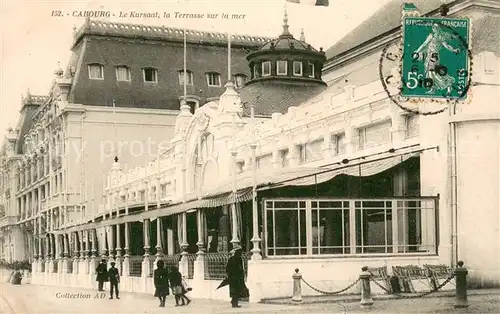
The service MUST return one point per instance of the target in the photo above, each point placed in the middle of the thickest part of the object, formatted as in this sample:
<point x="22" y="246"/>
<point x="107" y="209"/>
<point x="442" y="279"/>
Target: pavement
<point x="35" y="299"/>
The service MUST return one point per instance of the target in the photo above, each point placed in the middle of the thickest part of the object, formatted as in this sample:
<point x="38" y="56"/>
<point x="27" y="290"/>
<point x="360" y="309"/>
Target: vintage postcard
<point x="266" y="156"/>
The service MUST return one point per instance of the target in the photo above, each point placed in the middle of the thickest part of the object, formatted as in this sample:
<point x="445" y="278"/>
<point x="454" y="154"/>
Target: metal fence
<point x="70" y="266"/>
<point x="215" y="265"/>
<point x="136" y="266"/>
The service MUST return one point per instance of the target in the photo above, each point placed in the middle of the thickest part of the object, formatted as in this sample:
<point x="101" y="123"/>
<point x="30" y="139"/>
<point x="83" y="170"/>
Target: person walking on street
<point x="114" y="280"/>
<point x="235" y="276"/>
<point x="160" y="277"/>
<point x="178" y="288"/>
<point x="102" y="274"/>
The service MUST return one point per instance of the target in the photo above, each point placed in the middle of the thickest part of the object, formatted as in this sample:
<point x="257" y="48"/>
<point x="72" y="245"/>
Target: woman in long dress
<point x="160" y="277"/>
<point x="431" y="48"/>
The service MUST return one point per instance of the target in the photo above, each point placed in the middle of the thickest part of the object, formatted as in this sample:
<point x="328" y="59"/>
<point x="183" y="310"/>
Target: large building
<point x="118" y="97"/>
<point x="336" y="177"/>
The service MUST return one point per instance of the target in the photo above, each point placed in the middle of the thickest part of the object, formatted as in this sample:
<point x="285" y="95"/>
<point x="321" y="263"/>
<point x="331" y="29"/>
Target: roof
<point x="30" y="107"/>
<point x="277" y="96"/>
<point x="485" y="35"/>
<point x="162" y="33"/>
<point x="386" y="19"/>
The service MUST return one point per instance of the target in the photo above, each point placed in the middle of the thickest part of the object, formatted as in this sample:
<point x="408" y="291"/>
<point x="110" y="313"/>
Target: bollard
<point x="461" y="286"/>
<point x="297" y="291"/>
<point x="366" y="293"/>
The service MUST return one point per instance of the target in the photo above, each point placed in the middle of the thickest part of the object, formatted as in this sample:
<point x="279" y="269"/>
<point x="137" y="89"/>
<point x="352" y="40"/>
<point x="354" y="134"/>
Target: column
<point x="126" y="259"/>
<point x="102" y="244"/>
<point x="118" y="248"/>
<point x="183" y="264"/>
<point x="93" y="258"/>
<point x="255" y="210"/>
<point x="159" y="250"/>
<point x="146" y="266"/>
<point x="199" y="263"/>
<point x="398" y="121"/>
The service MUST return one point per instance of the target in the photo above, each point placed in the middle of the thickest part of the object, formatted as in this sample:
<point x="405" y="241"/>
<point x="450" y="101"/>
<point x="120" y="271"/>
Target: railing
<point x="172" y="260"/>
<point x="215" y="264"/>
<point x="191" y="258"/>
<point x="136" y="266"/>
<point x="70" y="266"/>
<point x="56" y="265"/>
<point x="43" y="265"/>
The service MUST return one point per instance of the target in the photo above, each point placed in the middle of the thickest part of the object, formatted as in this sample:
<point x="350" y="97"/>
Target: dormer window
<point x="311" y="69"/>
<point x="150" y="75"/>
<point x="281" y="67"/>
<point x="240" y="80"/>
<point x="189" y="77"/>
<point x="297" y="68"/>
<point x="213" y="79"/>
<point x="266" y="68"/>
<point x="123" y="73"/>
<point x="256" y="70"/>
<point x="96" y="71"/>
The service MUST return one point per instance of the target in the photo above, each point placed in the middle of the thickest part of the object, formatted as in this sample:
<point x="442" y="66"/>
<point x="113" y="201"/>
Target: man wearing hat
<point x="114" y="279"/>
<point x="102" y="274"/>
<point x="235" y="276"/>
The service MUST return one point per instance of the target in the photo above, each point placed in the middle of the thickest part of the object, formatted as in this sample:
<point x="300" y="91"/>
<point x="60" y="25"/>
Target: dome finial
<point x="285" y="24"/>
<point x="302" y="36"/>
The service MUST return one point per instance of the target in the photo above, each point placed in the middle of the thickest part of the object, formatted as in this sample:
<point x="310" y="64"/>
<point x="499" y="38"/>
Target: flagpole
<point x="185" y="68"/>
<point x="229" y="57"/>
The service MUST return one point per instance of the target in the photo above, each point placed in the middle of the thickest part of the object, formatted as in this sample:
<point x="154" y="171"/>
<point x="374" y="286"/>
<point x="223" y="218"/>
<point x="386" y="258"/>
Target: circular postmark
<point x="424" y="74"/>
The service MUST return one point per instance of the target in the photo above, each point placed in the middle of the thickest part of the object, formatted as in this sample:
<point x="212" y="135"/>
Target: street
<point x="31" y="299"/>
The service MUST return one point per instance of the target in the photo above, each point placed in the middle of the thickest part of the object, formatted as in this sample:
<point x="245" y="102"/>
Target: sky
<point x="33" y="40"/>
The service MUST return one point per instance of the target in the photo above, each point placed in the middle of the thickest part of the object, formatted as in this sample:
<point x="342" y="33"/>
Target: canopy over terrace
<point x="302" y="176"/>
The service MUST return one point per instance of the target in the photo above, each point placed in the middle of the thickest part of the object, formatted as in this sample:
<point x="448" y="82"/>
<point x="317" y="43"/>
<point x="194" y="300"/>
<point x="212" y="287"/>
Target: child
<point x="178" y="288"/>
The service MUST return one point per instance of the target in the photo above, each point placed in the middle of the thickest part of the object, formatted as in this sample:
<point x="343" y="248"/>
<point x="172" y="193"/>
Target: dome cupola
<point x="286" y="59"/>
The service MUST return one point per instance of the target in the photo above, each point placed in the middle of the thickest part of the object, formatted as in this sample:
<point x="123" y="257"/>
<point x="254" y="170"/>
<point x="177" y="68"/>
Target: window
<point x="240" y="80"/>
<point x="311" y="70"/>
<point x="213" y="79"/>
<point x="310" y="152"/>
<point x="286" y="228"/>
<point x="375" y="135"/>
<point x="256" y="70"/>
<point x="189" y="77"/>
<point x="266" y="68"/>
<point x="123" y="73"/>
<point x="281" y="67"/>
<point x="338" y="142"/>
<point x="150" y="75"/>
<point x="193" y="105"/>
<point x="96" y="72"/>
<point x="412" y="126"/>
<point x="297" y="68"/>
<point x="284" y="157"/>
<point x="315" y="227"/>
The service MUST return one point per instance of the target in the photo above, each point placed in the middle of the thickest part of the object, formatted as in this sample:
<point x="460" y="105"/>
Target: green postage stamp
<point x="436" y="58"/>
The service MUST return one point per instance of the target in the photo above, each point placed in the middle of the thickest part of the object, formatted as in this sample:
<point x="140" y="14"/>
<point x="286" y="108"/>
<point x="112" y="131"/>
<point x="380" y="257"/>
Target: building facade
<point x="118" y="98"/>
<point x="343" y="179"/>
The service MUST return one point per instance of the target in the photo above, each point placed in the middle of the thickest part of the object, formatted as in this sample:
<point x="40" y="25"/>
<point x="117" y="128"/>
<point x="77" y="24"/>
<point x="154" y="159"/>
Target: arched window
<point x="150" y="75"/>
<point x="188" y="75"/>
<point x="123" y="73"/>
<point x="96" y="71"/>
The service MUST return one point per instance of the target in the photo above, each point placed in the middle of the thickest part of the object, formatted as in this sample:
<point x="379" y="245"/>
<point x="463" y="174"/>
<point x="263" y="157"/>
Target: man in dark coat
<point x="102" y="274"/>
<point x="114" y="279"/>
<point x="236" y="276"/>
<point x="160" y="279"/>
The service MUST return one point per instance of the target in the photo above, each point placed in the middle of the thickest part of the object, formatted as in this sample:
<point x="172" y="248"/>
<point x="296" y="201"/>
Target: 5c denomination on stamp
<point x="435" y="60"/>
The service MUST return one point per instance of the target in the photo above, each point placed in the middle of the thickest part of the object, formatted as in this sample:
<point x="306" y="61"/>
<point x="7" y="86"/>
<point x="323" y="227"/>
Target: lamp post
<point x="255" y="217"/>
